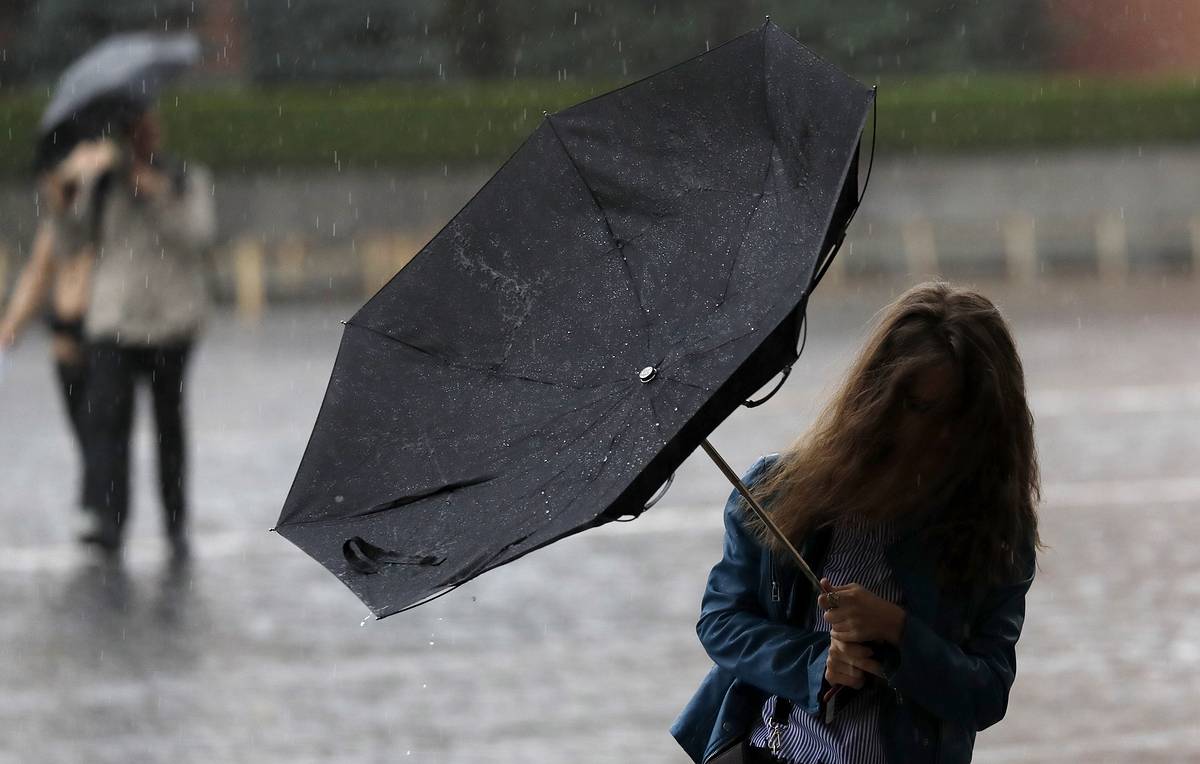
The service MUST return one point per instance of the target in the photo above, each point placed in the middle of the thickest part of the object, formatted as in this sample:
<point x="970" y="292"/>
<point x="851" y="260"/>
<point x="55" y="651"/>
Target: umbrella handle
<point x="761" y="513"/>
<point x="828" y="698"/>
<point x="832" y="692"/>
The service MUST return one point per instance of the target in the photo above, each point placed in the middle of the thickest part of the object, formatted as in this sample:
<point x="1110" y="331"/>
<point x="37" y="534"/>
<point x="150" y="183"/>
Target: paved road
<point x="583" y="651"/>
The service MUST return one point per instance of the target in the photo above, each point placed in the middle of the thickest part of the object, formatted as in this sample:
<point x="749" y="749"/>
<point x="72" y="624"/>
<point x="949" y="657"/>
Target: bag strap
<point x="783" y="710"/>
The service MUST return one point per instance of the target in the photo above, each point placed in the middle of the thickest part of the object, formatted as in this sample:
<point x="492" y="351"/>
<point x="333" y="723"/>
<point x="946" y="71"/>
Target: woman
<point x="914" y="497"/>
<point x="61" y="268"/>
<point x="151" y="222"/>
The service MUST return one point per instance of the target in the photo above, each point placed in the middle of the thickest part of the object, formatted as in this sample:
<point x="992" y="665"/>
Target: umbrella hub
<point x="648" y="374"/>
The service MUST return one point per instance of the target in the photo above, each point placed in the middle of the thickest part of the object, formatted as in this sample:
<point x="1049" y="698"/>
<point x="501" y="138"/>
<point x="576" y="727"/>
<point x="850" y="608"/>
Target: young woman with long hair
<point x="914" y="496"/>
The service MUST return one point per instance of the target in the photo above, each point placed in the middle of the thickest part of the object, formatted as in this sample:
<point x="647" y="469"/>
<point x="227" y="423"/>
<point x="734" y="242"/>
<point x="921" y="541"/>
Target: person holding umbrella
<point x="914" y="495"/>
<point x="61" y="272"/>
<point x="151" y="220"/>
<point x="148" y="220"/>
<point x="98" y="95"/>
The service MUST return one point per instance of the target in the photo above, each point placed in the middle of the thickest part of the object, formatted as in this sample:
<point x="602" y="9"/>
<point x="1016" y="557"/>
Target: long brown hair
<point x="980" y="499"/>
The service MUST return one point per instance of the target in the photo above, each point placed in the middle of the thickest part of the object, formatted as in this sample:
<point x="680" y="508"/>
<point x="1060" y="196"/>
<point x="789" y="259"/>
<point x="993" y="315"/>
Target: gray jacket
<point x="148" y="284"/>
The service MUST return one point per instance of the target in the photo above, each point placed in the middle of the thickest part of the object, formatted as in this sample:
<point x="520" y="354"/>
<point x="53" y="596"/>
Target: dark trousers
<point x="113" y="373"/>
<point x="71" y="380"/>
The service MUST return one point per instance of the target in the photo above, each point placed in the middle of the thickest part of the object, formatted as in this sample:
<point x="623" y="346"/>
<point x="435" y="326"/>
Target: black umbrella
<point x="107" y="86"/>
<point x="632" y="274"/>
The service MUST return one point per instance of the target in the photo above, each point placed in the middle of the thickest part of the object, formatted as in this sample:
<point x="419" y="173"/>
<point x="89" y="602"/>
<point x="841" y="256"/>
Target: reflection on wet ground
<point x="583" y="651"/>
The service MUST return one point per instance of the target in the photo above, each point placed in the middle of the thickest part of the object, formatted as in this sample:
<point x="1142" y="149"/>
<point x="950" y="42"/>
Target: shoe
<point x="181" y="551"/>
<point x="105" y="542"/>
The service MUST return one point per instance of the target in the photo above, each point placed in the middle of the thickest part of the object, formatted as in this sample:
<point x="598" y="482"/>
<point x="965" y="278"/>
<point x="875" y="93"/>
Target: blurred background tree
<point x="342" y="40"/>
<point x="42" y="37"/>
<point x="357" y="40"/>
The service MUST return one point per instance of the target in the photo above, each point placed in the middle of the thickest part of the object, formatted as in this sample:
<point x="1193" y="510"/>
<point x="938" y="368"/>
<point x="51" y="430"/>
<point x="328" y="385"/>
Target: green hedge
<point x="1006" y="113"/>
<point x="454" y="124"/>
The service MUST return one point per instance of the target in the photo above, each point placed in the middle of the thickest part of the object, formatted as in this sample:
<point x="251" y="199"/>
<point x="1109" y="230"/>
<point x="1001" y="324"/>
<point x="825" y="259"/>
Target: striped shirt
<point x="856" y="555"/>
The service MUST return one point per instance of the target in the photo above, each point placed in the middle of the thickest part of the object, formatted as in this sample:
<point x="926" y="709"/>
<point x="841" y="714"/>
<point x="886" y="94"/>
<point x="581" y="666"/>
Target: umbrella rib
<point x="733" y="263"/>
<point x="654" y="412"/>
<point x="746" y="230"/>
<point x="541" y="426"/>
<point x="358" y="516"/>
<point x="737" y="254"/>
<point x="684" y="383"/>
<point x="719" y="345"/>
<point x="466" y="366"/>
<point x="766" y="176"/>
<point x="588" y="430"/>
<point x="604" y="463"/>
<point x="620" y="434"/>
<point x="570" y="462"/>
<point x="637" y="297"/>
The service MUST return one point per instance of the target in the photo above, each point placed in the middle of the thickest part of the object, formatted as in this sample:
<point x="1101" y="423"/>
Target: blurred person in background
<point x="914" y="496"/>
<point x="61" y="268"/>
<point x="150" y="221"/>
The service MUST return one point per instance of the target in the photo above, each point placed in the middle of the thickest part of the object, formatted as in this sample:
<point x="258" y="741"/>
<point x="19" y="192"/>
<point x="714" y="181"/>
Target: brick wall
<point x="1144" y="37"/>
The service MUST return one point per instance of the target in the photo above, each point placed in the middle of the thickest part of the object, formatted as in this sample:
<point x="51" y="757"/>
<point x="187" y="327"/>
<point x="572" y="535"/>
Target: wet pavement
<point x="586" y="650"/>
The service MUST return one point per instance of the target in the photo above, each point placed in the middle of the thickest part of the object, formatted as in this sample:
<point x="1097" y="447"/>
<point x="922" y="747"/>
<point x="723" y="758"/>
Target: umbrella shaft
<point x="760" y="512"/>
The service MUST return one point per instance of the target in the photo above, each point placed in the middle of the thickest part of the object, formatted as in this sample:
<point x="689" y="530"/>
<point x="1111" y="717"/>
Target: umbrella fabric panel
<point x="398" y="424"/>
<point x="107" y="87"/>
<point x="133" y="66"/>
<point x="698" y="125"/>
<point x="737" y="105"/>
<point x="529" y="253"/>
<point x="411" y="475"/>
<point x="811" y="106"/>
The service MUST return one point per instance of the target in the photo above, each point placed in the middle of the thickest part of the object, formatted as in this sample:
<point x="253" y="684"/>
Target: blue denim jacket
<point x="949" y="676"/>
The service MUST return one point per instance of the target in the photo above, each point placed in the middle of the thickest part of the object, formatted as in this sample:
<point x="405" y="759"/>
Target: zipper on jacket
<point x="776" y="594"/>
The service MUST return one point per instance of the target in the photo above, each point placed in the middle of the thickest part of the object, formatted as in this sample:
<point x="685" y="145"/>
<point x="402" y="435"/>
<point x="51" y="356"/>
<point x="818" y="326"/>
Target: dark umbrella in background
<point x="628" y="278"/>
<point x="111" y="83"/>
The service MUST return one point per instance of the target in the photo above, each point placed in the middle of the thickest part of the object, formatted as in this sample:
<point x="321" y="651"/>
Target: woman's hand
<point x="8" y="334"/>
<point x="80" y="168"/>
<point x="860" y="616"/>
<point x="148" y="182"/>
<point x="849" y="663"/>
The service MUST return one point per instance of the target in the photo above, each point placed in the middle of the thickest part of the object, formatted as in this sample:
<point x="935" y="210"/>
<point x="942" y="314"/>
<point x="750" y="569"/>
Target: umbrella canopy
<point x="115" y="80"/>
<point x="634" y="272"/>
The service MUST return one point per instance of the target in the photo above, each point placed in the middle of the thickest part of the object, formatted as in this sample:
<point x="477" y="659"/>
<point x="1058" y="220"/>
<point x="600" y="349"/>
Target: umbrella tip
<point x="767" y="19"/>
<point x="545" y="113"/>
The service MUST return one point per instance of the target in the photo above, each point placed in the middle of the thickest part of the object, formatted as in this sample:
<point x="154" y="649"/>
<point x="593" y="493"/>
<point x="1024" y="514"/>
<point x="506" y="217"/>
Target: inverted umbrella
<point x="113" y="81"/>
<point x="632" y="274"/>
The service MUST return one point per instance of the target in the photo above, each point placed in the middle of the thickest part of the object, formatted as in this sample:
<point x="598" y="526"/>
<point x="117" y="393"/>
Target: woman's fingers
<point x="841" y="595"/>
<point x="830" y="600"/>
<point x="848" y="634"/>
<point x="845" y="675"/>
<point x="869" y="666"/>
<point x="835" y="677"/>
<point x="848" y="664"/>
<point x="836" y="615"/>
<point x="848" y="650"/>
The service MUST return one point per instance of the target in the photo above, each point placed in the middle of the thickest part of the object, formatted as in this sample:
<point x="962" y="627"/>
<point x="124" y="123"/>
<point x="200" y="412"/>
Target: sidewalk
<point x="583" y="651"/>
